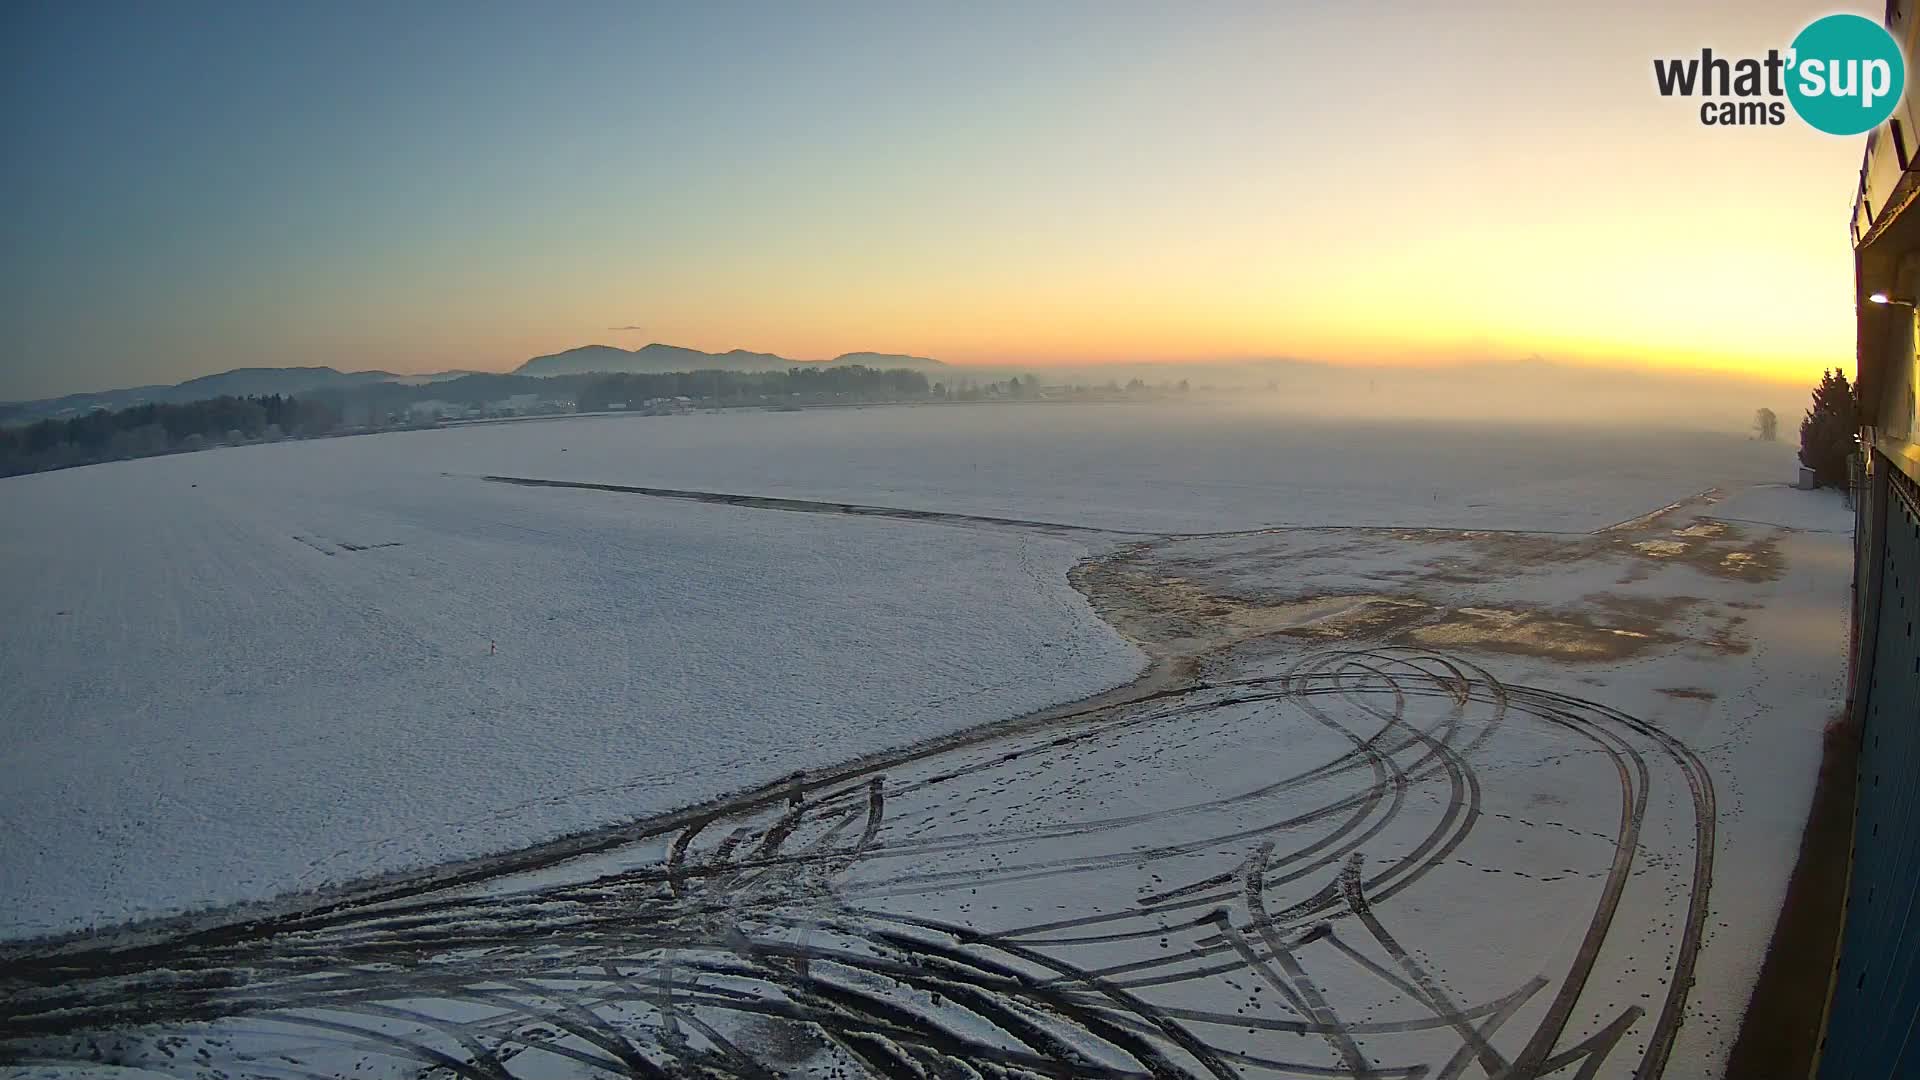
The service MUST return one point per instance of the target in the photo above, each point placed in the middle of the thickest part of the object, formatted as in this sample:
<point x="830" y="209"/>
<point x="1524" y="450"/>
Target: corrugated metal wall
<point x="1872" y="1031"/>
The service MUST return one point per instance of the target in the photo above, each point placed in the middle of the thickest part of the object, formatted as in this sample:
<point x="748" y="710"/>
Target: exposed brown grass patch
<point x="1657" y="609"/>
<point x="1530" y="633"/>
<point x="1712" y="547"/>
<point x="1688" y="693"/>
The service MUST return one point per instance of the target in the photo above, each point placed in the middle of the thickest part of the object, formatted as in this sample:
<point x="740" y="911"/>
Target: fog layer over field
<point x="1522" y="391"/>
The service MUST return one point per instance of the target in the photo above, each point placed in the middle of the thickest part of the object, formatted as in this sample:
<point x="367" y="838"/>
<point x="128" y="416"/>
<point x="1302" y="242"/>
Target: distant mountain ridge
<point x="257" y="381"/>
<point x="657" y="358"/>
<point x="240" y="382"/>
<point x="248" y="381"/>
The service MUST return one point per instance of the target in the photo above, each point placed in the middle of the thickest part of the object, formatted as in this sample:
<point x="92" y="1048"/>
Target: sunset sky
<point x="193" y="187"/>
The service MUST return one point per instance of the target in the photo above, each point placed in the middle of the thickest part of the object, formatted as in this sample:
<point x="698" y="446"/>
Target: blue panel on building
<point x="1872" y="1029"/>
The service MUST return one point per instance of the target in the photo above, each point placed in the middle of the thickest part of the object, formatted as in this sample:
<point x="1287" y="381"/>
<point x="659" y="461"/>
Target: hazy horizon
<point x="1250" y="367"/>
<point x="1487" y="394"/>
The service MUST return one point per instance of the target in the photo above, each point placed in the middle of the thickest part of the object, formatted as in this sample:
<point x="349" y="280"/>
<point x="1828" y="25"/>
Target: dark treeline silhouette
<point x="146" y="430"/>
<point x="381" y="404"/>
<point x="384" y="404"/>
<point x="1031" y="388"/>
<point x="852" y="382"/>
<point x="1827" y="435"/>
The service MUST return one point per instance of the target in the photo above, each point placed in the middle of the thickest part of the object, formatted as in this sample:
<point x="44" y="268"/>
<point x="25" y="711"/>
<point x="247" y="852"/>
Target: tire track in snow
<point x="780" y="914"/>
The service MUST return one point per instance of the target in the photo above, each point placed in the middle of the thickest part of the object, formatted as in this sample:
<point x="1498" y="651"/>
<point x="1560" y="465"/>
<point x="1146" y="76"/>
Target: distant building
<point x="434" y="410"/>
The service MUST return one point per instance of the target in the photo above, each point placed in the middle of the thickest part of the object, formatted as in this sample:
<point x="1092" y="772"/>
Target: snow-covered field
<point x="231" y="674"/>
<point x="1137" y="467"/>
<point x="1420" y="798"/>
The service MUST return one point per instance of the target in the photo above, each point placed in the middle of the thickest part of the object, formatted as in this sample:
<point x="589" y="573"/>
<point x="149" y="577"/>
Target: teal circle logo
<point x="1846" y="74"/>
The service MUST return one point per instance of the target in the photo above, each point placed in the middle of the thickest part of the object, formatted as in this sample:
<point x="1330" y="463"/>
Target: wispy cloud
<point x="626" y="328"/>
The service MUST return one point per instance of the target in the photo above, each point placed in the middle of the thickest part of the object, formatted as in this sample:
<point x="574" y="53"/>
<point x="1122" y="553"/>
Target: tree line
<point x="852" y="382"/>
<point x="156" y="428"/>
<point x="147" y="430"/>
<point x="1829" y="434"/>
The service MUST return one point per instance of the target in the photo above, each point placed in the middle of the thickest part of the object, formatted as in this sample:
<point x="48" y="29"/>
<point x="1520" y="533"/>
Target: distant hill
<point x="240" y="382"/>
<point x="436" y="377"/>
<point x="244" y="382"/>
<point x="658" y="359"/>
<point x="70" y="404"/>
<point x="649" y="359"/>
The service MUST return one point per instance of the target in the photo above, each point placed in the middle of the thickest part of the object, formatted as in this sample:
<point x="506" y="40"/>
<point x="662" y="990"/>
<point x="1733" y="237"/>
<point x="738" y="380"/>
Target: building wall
<point x="1894" y="419"/>
<point x="1874" y="1004"/>
<point x="1876" y="983"/>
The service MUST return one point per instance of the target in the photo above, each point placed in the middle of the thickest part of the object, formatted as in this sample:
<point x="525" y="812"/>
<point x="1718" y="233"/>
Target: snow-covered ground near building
<point x="1407" y="794"/>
